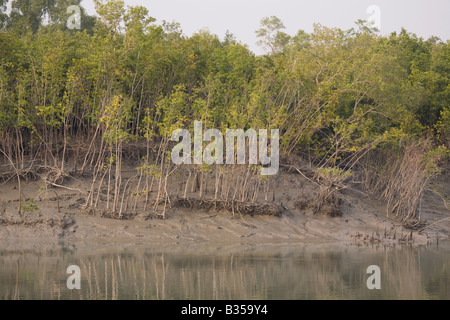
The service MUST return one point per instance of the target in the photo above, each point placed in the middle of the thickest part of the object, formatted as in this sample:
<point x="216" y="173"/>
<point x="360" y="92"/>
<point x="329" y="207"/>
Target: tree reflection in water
<point x="289" y="271"/>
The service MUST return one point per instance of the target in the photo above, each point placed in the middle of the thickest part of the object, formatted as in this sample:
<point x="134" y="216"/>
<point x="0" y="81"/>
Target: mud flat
<point x="59" y="213"/>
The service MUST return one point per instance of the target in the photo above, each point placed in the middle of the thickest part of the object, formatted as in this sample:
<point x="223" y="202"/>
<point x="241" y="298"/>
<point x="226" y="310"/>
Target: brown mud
<point x="291" y="215"/>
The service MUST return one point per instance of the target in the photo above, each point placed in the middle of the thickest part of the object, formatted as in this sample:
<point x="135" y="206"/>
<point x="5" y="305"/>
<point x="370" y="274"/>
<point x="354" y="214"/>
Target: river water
<point x="222" y="271"/>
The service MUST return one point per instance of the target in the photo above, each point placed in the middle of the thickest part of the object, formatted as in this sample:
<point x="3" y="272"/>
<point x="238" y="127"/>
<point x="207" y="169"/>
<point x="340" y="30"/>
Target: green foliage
<point x="151" y="170"/>
<point x="333" y="174"/>
<point x="333" y="94"/>
<point x="271" y="36"/>
<point x="433" y="158"/>
<point x="443" y="127"/>
<point x="29" y="206"/>
<point x="114" y="120"/>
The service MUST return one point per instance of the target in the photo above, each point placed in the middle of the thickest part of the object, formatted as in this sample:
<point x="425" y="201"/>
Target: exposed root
<point x="330" y="206"/>
<point x="104" y="213"/>
<point x="240" y="207"/>
<point x="414" y="224"/>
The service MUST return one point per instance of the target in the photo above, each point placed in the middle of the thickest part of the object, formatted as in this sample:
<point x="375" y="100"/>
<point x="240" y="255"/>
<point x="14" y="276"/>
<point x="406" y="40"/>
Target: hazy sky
<point x="242" y="17"/>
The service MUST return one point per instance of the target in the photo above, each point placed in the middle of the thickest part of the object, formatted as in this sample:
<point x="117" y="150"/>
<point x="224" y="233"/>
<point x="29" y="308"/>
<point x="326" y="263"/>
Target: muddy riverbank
<point x="59" y="213"/>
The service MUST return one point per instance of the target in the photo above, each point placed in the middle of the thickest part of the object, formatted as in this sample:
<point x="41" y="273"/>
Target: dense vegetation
<point x="354" y="106"/>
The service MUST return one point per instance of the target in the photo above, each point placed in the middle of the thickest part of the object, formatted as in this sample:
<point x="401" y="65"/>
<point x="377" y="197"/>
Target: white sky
<point x="242" y="17"/>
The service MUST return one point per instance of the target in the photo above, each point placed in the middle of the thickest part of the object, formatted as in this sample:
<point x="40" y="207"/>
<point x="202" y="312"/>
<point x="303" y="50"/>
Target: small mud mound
<point x="104" y="213"/>
<point x="240" y="207"/>
<point x="33" y="220"/>
<point x="115" y="215"/>
<point x="414" y="224"/>
<point x="330" y="206"/>
<point x="79" y="202"/>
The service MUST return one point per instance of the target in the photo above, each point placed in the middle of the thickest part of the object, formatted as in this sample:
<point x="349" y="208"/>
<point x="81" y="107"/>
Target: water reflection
<point x="140" y="271"/>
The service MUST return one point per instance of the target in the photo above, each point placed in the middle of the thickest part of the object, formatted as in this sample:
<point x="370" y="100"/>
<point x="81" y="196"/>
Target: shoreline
<point x="362" y="220"/>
